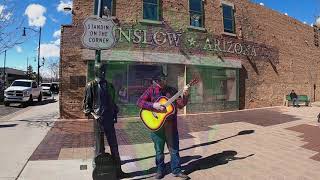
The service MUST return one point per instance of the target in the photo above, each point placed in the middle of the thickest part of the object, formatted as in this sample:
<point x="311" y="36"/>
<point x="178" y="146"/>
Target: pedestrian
<point x="168" y="133"/>
<point x="294" y="98"/>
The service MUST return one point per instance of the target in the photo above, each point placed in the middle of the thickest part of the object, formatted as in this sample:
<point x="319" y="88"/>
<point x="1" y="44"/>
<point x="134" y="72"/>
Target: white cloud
<point x="49" y="50"/>
<point x="19" y="49"/>
<point x="57" y="42"/>
<point x="63" y="4"/>
<point x="261" y="4"/>
<point x="35" y="13"/>
<point x="1" y="8"/>
<point x="57" y="34"/>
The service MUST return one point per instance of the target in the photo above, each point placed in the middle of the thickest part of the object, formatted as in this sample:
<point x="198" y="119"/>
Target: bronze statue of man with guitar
<point x="159" y="114"/>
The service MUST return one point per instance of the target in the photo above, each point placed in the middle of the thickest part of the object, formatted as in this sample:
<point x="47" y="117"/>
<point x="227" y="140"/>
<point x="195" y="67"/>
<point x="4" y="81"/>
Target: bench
<point x="301" y="98"/>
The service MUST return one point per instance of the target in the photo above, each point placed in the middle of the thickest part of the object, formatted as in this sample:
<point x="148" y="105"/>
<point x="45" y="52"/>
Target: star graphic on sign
<point x="191" y="42"/>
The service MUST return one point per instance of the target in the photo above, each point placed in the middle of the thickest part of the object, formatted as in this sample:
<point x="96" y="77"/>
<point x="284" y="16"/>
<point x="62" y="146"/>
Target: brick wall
<point x="263" y="81"/>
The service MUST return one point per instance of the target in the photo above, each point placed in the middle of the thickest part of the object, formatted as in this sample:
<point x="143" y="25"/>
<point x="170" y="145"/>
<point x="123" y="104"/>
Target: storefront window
<point x="130" y="80"/>
<point x="151" y="10"/>
<point x="228" y="18"/>
<point x="196" y="13"/>
<point x="216" y="90"/>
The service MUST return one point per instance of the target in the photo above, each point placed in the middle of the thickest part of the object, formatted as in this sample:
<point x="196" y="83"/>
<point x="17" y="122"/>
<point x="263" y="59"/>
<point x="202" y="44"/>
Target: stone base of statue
<point x="104" y="168"/>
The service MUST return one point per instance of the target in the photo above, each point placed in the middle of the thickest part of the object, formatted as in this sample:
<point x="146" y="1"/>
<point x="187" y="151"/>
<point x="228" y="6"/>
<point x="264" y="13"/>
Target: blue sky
<point x="33" y="14"/>
<point x="48" y="15"/>
<point x="306" y="10"/>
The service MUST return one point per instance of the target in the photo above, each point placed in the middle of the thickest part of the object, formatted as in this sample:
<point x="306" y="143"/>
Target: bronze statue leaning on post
<point x="99" y="101"/>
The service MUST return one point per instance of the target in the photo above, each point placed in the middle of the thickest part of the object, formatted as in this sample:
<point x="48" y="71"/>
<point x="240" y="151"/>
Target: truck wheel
<point x="40" y="97"/>
<point x="6" y="103"/>
<point x="25" y="104"/>
<point x="30" y="101"/>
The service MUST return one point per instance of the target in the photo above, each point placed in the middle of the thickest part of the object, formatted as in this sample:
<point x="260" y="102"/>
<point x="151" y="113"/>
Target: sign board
<point x="98" y="33"/>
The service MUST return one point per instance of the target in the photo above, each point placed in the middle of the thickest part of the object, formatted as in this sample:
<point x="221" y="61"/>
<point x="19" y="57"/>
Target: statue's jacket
<point x="92" y="101"/>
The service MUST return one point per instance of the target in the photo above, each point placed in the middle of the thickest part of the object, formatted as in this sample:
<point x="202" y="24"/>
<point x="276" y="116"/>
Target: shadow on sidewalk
<point x="212" y="161"/>
<point x="204" y="163"/>
<point x="43" y="102"/>
<point x="153" y="170"/>
<point x="244" y="132"/>
<point x="7" y="125"/>
<point x="199" y="164"/>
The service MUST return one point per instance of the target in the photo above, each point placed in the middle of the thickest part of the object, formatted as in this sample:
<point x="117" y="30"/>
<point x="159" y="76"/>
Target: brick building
<point x="246" y="55"/>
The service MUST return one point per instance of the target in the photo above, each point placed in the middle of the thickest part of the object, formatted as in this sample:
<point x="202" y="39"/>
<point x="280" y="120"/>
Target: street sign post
<point x="99" y="35"/>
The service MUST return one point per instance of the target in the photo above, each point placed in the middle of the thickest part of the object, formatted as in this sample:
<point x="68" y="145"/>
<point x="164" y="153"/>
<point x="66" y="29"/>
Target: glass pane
<point x="107" y="3"/>
<point x="151" y="1"/>
<point x="216" y="90"/>
<point x="196" y="19"/>
<point x="231" y="94"/>
<point x="150" y="11"/>
<point x="228" y="25"/>
<point x="195" y="5"/>
<point x="227" y="11"/>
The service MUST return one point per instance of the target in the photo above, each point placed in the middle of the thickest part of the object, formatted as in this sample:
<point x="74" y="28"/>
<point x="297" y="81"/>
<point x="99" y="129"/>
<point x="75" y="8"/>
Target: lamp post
<point x="38" y="31"/>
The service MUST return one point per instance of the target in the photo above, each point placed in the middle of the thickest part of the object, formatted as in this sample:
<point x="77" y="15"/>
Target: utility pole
<point x="39" y="31"/>
<point x="38" y="79"/>
<point x="27" y="66"/>
<point x="4" y="69"/>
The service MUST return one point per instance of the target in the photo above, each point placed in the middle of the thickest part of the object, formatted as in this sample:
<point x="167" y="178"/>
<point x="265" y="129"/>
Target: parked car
<point x="47" y="90"/>
<point x="22" y="91"/>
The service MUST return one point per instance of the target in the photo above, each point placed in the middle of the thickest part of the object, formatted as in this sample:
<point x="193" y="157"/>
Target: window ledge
<point x="230" y="34"/>
<point x="147" y="21"/>
<point x="197" y="28"/>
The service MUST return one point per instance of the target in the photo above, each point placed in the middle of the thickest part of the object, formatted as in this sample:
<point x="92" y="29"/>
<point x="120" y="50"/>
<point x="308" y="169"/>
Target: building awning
<point x="152" y="57"/>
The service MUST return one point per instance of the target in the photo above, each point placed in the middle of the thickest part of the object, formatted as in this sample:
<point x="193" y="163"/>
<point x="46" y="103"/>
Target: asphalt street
<point x="16" y="107"/>
<point x="4" y="111"/>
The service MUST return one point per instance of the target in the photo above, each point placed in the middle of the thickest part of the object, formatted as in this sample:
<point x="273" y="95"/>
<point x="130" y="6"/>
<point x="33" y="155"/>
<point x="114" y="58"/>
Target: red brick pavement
<point x="311" y="134"/>
<point x="79" y="134"/>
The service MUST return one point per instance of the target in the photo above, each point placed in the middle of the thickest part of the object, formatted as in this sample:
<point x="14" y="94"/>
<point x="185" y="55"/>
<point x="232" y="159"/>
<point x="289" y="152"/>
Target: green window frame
<point x="151" y="10"/>
<point x="228" y="18"/>
<point x="196" y="13"/>
<point x="109" y="3"/>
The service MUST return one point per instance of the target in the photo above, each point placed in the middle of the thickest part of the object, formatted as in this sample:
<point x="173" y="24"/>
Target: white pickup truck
<point x="22" y="91"/>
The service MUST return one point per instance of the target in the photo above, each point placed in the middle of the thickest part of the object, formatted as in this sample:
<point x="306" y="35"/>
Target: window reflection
<point x="196" y="13"/>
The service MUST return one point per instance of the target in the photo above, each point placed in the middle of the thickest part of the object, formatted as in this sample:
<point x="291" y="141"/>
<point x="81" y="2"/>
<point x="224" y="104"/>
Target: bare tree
<point x="10" y="25"/>
<point x="52" y="69"/>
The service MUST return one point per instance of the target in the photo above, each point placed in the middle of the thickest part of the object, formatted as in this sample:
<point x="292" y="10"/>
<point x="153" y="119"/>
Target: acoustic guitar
<point x="155" y="120"/>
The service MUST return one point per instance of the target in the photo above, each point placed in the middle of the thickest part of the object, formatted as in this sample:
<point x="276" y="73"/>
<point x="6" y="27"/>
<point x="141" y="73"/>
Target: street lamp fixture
<point x="68" y="9"/>
<point x="38" y="31"/>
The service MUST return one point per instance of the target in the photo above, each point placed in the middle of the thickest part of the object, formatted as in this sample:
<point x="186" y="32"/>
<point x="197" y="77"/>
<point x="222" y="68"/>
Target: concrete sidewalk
<point x="20" y="134"/>
<point x="273" y="143"/>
